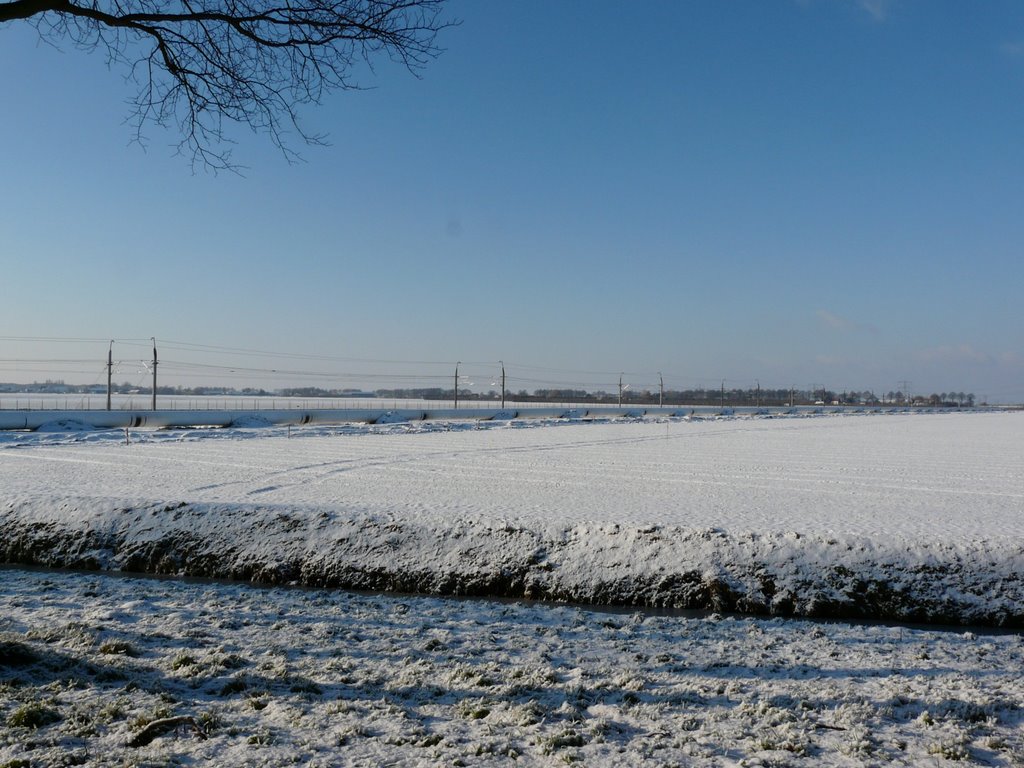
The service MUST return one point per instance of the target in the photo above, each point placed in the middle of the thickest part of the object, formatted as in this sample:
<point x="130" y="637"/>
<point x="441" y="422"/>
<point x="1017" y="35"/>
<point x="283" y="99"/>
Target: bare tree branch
<point x="199" y="63"/>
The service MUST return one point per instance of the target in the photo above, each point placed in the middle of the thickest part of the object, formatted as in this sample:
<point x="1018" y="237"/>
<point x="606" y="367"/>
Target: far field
<point x="895" y="516"/>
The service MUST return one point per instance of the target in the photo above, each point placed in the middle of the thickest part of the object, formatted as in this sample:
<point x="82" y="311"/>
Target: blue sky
<point x="798" y="192"/>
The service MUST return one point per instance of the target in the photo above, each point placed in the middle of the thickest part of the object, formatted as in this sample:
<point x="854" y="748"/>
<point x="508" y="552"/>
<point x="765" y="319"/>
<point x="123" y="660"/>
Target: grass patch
<point x="474" y="710"/>
<point x="263" y="737"/>
<point x="569" y="738"/>
<point x="237" y="685"/>
<point x="34" y="715"/>
<point x="183" y="660"/>
<point x="233" y="661"/>
<point x="306" y="686"/>
<point x="14" y="654"/>
<point x="950" y="749"/>
<point x="140" y="722"/>
<point x="111" y="713"/>
<point x="210" y="721"/>
<point x="118" y="648"/>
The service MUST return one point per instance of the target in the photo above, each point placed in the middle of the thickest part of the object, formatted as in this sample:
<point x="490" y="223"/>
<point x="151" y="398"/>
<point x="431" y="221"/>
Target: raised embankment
<point x="777" y="574"/>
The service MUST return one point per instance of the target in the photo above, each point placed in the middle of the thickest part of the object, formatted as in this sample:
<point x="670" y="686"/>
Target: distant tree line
<point x="751" y="396"/>
<point x="721" y="396"/>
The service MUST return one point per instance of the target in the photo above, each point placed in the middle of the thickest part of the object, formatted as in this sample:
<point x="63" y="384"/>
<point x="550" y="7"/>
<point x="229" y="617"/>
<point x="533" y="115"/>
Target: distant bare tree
<point x="201" y="62"/>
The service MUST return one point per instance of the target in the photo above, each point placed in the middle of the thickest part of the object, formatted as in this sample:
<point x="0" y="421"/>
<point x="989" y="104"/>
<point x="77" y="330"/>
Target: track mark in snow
<point x="58" y="459"/>
<point x="267" y="489"/>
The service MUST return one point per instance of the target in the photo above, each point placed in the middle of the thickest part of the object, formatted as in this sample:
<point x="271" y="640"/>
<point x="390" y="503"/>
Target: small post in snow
<point x="153" y="338"/>
<point x="110" y="370"/>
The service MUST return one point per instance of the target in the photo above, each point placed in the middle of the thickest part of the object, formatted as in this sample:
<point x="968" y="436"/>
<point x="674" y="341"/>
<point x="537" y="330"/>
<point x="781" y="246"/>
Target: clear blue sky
<point x="798" y="192"/>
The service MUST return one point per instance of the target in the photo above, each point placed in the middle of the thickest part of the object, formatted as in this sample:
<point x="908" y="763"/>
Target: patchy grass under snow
<point x="102" y="670"/>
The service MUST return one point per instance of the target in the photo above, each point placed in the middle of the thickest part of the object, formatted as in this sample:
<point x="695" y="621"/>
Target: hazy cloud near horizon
<point x="838" y="323"/>
<point x="965" y="353"/>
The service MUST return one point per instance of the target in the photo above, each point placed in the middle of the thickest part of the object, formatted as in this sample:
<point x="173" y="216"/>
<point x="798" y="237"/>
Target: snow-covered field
<point x="899" y="516"/>
<point x="905" y="516"/>
<point x="101" y="670"/>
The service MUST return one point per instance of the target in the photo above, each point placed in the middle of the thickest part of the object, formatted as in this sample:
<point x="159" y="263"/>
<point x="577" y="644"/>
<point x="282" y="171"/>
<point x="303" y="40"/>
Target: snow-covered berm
<point x="891" y="516"/>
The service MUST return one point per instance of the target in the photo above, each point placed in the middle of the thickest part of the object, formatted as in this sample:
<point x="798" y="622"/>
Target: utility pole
<point x="758" y="400"/>
<point x="620" y="390"/>
<point x="792" y="393"/>
<point x="110" y="370"/>
<point x="154" y="371"/>
<point x="905" y="389"/>
<point x="723" y="393"/>
<point x="457" y="384"/>
<point x="502" y="384"/>
<point x="661" y="390"/>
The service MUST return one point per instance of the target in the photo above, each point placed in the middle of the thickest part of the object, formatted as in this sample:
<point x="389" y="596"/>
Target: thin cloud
<point x="833" y="321"/>
<point x="1012" y="50"/>
<point x="876" y="9"/>
<point x="960" y="353"/>
<point x="830" y="360"/>
<point x="838" y="323"/>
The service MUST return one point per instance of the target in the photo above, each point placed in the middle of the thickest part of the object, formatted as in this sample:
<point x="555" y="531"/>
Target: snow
<point x="903" y="516"/>
<point x="911" y="476"/>
<point x="896" y="516"/>
<point x="280" y="676"/>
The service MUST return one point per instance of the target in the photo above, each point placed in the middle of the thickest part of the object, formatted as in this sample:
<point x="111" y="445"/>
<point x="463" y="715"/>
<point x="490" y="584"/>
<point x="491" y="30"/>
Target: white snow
<point x="894" y="515"/>
<point x="327" y="678"/>
<point x="897" y="516"/>
<point x="933" y="477"/>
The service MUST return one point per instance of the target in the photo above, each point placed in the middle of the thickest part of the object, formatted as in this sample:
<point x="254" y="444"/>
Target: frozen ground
<point x="102" y="670"/>
<point x="902" y="516"/>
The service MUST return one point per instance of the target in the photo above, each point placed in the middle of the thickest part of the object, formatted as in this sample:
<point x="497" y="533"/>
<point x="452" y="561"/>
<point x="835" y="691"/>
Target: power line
<point x="521" y="376"/>
<point x="248" y="351"/>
